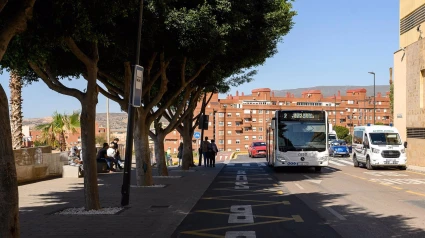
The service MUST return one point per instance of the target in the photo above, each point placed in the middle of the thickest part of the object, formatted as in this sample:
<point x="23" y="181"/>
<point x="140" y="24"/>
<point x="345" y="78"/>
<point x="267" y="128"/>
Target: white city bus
<point x="298" y="138"/>
<point x="378" y="146"/>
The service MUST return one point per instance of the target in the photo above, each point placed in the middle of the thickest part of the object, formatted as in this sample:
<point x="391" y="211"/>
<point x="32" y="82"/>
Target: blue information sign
<point x="197" y="135"/>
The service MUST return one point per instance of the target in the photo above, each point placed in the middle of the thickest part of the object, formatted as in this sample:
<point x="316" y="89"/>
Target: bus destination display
<point x="302" y="116"/>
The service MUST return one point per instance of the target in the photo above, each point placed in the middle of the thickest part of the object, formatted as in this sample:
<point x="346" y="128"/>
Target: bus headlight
<point x="375" y="150"/>
<point x="403" y="151"/>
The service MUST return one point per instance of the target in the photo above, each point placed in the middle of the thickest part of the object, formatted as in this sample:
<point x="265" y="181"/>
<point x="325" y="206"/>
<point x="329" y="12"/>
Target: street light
<point x="374" y="99"/>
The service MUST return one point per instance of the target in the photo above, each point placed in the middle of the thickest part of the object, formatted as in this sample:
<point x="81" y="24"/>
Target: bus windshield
<point x="385" y="138"/>
<point x="301" y="135"/>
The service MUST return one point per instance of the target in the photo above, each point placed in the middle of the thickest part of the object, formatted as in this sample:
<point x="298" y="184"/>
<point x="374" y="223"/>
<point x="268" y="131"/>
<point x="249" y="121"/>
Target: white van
<point x="378" y="146"/>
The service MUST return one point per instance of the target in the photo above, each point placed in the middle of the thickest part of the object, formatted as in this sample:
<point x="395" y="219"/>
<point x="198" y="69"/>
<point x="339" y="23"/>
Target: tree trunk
<point x="9" y="199"/>
<point x="160" y="154"/>
<point x="15" y="85"/>
<point x="141" y="148"/>
<point x="187" y="149"/>
<point x="88" y="141"/>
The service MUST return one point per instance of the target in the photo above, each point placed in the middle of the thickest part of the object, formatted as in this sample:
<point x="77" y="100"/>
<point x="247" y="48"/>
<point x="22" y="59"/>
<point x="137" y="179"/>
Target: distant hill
<point x="331" y="90"/>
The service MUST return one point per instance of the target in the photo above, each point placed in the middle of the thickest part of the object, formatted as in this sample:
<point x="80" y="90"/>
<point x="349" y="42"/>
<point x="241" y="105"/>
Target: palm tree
<point x="53" y="133"/>
<point x="15" y="85"/>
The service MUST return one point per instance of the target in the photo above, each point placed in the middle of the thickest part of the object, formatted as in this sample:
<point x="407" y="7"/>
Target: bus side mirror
<point x="405" y="144"/>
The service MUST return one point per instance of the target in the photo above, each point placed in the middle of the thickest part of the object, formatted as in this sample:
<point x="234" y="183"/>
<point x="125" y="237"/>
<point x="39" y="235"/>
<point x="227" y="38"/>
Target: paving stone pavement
<point x="37" y="202"/>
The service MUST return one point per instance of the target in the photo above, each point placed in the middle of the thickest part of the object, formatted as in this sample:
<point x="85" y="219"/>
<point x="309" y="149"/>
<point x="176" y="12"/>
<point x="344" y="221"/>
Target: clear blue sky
<point x="333" y="42"/>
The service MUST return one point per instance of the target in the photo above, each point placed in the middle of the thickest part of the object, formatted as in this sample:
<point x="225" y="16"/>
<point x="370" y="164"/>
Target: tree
<point x="341" y="131"/>
<point x="391" y="94"/>
<point x="63" y="41"/>
<point x="53" y="133"/>
<point x="15" y="85"/>
<point x="199" y="36"/>
<point x="13" y="20"/>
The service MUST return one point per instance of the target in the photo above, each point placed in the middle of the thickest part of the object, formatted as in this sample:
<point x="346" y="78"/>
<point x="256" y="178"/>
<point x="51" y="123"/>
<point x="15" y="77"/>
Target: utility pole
<point x="107" y="121"/>
<point x="374" y="98"/>
<point x="201" y="123"/>
<point x="125" y="189"/>
<point x="335" y="108"/>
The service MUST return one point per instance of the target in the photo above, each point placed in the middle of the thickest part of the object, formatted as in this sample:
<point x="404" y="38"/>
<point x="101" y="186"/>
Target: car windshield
<point x="299" y="135"/>
<point x="385" y="139"/>
<point x="259" y="144"/>
<point x="331" y="137"/>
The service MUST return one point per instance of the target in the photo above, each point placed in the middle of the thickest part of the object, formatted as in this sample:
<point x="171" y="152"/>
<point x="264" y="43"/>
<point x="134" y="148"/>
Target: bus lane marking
<point x="335" y="213"/>
<point x="299" y="186"/>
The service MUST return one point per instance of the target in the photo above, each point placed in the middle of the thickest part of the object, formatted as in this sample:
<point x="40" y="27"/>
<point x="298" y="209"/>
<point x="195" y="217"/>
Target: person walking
<point x="205" y="149"/>
<point x="214" y="151"/>
<point x="180" y="154"/>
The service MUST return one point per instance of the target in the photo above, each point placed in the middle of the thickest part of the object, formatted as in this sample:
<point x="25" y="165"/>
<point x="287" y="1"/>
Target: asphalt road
<point x="249" y="199"/>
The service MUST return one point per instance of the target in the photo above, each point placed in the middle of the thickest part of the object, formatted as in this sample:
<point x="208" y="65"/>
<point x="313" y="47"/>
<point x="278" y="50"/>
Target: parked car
<point x="257" y="148"/>
<point x="339" y="148"/>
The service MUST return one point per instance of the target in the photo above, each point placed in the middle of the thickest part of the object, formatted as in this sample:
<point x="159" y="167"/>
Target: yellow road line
<point x="397" y="187"/>
<point x="238" y="195"/>
<point x="244" y="200"/>
<point x="256" y="216"/>
<point x="243" y="225"/>
<point x="416" y="193"/>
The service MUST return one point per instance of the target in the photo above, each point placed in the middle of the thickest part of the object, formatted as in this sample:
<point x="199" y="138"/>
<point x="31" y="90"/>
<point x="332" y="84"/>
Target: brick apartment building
<point x="238" y="120"/>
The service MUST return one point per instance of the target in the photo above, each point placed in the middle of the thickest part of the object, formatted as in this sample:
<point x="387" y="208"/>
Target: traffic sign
<point x="197" y="135"/>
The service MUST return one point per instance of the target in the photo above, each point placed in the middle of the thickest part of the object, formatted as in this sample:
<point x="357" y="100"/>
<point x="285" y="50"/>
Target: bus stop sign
<point x="136" y="100"/>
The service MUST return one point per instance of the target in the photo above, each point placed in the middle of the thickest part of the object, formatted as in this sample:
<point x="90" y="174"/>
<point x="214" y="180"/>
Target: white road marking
<point x="240" y="234"/>
<point x="390" y="174"/>
<point x="230" y="164"/>
<point x="299" y="186"/>
<point x="331" y="168"/>
<point x="241" y="185"/>
<point x="261" y="164"/>
<point x="310" y="179"/>
<point x="241" y="177"/>
<point x="241" y="172"/>
<point x="336" y="163"/>
<point x="399" y="181"/>
<point x="246" y="165"/>
<point x="335" y="213"/>
<point x="345" y="162"/>
<point x="241" y="214"/>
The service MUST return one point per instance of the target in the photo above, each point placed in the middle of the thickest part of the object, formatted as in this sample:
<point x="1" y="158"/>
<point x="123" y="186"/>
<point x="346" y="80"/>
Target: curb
<point x="417" y="169"/>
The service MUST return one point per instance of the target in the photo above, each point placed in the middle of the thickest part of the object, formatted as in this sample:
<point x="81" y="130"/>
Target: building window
<point x="229" y="142"/>
<point x="246" y="137"/>
<point x="254" y="129"/>
<point x="238" y="149"/>
<point x="229" y="132"/>
<point x="247" y="111"/>
<point x="350" y="102"/>
<point x="385" y="110"/>
<point x="229" y="123"/>
<point x="260" y="137"/>
<point x="247" y="120"/>
<point x="229" y="114"/>
<point x="260" y="111"/>
<point x="254" y="111"/>
<point x="238" y="141"/>
<point x="246" y="146"/>
<point x="221" y="114"/>
<point x="260" y="120"/>
<point x="246" y="129"/>
<point x="238" y="123"/>
<point x="220" y="133"/>
<point x="254" y="137"/>
<point x="260" y="129"/>
<point x="254" y="119"/>
<point x="221" y="142"/>
<point x="238" y="114"/>
<point x="221" y="123"/>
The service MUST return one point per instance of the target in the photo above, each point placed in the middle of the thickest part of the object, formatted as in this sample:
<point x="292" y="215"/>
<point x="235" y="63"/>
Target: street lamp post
<point x="374" y="98"/>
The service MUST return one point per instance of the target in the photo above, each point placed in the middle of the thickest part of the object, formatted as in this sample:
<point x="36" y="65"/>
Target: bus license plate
<point x="302" y="163"/>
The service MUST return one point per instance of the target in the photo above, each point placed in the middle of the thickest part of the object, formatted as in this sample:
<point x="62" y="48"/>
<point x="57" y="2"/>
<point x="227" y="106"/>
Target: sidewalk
<point x="153" y="212"/>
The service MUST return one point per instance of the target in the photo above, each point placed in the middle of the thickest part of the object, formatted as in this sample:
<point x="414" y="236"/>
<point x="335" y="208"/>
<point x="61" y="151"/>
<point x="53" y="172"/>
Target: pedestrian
<point x="205" y="145"/>
<point x="180" y="154"/>
<point x="214" y="151"/>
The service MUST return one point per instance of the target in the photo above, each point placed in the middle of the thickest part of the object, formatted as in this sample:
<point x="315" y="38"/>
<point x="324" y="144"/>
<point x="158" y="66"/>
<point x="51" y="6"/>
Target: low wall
<point x="37" y="163"/>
